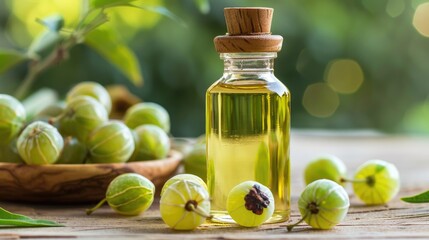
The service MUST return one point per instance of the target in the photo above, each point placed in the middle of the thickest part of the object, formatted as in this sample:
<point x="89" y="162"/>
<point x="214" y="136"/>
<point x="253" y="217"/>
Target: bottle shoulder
<point x="249" y="86"/>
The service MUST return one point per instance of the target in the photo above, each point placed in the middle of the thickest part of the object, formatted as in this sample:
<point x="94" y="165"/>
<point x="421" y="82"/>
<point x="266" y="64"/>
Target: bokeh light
<point x="344" y="75"/>
<point x="421" y="19"/>
<point x="416" y="119"/>
<point x="395" y="7"/>
<point x="320" y="100"/>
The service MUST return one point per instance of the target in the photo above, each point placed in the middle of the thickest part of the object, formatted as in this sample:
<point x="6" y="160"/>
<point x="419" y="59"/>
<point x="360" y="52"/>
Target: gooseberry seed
<point x="185" y="205"/>
<point x="250" y="204"/>
<point x="376" y="182"/>
<point x="128" y="194"/>
<point x="323" y="204"/>
<point x="325" y="167"/>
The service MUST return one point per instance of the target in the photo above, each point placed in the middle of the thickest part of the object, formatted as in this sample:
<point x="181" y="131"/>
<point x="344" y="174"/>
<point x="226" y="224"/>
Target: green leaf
<point x="107" y="44"/>
<point x="17" y="220"/>
<point x="107" y="3"/>
<point x="9" y="58"/>
<point x="419" y="198"/>
<point x="203" y="5"/>
<point x="45" y="40"/>
<point x="160" y="10"/>
<point x="54" y="22"/>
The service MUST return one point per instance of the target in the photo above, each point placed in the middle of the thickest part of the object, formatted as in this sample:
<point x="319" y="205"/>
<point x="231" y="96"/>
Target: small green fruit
<point x="152" y="143"/>
<point x="250" y="204"/>
<point x="82" y="115"/>
<point x="91" y="89"/>
<point x="128" y="194"/>
<point x="323" y="204"/>
<point x="195" y="162"/>
<point x="376" y="182"/>
<point x="184" y="205"/>
<point x="325" y="167"/>
<point x="12" y="118"/>
<point x="39" y="144"/>
<point x="9" y="153"/>
<point x="180" y="177"/>
<point x="74" y="152"/>
<point x="110" y="143"/>
<point x="147" y="113"/>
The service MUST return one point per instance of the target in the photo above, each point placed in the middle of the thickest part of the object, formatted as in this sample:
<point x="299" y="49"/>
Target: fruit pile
<point x="79" y="131"/>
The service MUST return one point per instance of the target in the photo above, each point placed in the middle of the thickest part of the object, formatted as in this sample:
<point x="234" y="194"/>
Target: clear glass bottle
<point x="248" y="131"/>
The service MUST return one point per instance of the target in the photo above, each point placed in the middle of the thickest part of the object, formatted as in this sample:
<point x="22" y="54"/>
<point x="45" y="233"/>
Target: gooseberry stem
<point x="291" y="226"/>
<point x="190" y="206"/>
<point x="344" y="180"/>
<point x="89" y="211"/>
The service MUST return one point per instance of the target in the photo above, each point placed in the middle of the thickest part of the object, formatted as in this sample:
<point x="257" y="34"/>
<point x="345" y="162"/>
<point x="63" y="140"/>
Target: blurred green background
<point x="359" y="64"/>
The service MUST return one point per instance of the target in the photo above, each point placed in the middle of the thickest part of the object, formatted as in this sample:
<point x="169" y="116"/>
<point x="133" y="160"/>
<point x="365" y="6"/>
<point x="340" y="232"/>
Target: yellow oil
<point x="248" y="131"/>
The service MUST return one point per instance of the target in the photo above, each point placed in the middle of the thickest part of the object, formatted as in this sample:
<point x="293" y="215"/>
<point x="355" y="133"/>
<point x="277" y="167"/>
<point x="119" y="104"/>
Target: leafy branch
<point x="52" y="46"/>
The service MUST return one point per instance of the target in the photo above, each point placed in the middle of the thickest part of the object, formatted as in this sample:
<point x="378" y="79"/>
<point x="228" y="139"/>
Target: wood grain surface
<point x="75" y="183"/>
<point x="396" y="220"/>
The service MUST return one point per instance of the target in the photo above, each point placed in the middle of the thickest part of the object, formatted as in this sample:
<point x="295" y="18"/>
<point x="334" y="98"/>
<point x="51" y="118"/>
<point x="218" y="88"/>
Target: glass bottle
<point x="248" y="116"/>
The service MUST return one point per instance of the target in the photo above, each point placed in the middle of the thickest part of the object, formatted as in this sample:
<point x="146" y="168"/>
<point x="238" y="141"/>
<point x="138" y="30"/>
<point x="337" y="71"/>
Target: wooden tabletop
<point x="397" y="220"/>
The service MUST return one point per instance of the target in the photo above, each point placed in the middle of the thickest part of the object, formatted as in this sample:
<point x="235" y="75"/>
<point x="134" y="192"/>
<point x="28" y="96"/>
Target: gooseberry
<point x="9" y="153"/>
<point x="195" y="162"/>
<point x="151" y="143"/>
<point x="323" y="204"/>
<point x="13" y="116"/>
<point x="185" y="205"/>
<point x="128" y="194"/>
<point x="147" y="113"/>
<point x="325" y="167"/>
<point x="91" y="89"/>
<point x="376" y="182"/>
<point x="184" y="176"/>
<point x="110" y="143"/>
<point x="74" y="152"/>
<point x="40" y="143"/>
<point x="82" y="115"/>
<point x="250" y="204"/>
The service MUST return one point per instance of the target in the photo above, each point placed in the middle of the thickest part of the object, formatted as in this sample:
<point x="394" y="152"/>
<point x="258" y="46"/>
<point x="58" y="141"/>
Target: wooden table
<point x="397" y="220"/>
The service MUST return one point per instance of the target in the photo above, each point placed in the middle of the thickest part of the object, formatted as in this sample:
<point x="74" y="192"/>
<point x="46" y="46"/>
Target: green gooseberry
<point x="110" y="143"/>
<point x="94" y="90"/>
<point x="325" y="167"/>
<point x="9" y="153"/>
<point x="376" y="182"/>
<point x="183" y="176"/>
<point x="12" y="118"/>
<point x="151" y="143"/>
<point x="195" y="162"/>
<point x="147" y="113"/>
<point x="185" y="205"/>
<point x="39" y="144"/>
<point x="74" y="152"/>
<point x="323" y="204"/>
<point x="250" y="204"/>
<point x="82" y="115"/>
<point x="128" y="194"/>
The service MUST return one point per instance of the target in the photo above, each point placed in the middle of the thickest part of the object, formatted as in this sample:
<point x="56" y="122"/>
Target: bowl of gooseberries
<point x="70" y="151"/>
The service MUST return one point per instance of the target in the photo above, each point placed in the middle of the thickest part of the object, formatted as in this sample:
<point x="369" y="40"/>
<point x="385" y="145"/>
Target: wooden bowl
<point x="76" y="183"/>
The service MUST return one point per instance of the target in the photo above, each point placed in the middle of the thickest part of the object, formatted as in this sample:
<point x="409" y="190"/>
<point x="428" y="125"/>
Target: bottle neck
<point x="248" y="63"/>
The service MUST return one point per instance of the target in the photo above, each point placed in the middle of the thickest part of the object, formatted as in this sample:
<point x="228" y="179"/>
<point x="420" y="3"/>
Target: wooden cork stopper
<point x="249" y="30"/>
